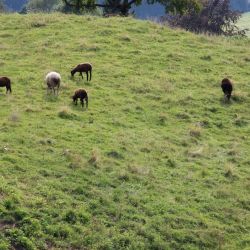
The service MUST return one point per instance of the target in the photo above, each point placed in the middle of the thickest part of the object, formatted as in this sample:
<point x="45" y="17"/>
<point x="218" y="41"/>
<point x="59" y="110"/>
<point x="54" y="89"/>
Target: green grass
<point x="244" y="22"/>
<point x="159" y="161"/>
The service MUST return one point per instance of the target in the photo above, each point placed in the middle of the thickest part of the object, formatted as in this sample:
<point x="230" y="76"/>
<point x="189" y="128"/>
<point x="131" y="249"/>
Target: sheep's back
<point x="226" y="85"/>
<point x="53" y="79"/>
<point x="84" y="66"/>
<point x="81" y="93"/>
<point x="4" y="81"/>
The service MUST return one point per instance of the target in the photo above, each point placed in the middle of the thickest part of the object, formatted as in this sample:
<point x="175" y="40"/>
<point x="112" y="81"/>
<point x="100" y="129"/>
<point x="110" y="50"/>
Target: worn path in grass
<point x="159" y="161"/>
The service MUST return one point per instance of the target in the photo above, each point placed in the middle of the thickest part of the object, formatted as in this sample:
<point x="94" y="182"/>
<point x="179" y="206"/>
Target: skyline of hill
<point x="144" y="11"/>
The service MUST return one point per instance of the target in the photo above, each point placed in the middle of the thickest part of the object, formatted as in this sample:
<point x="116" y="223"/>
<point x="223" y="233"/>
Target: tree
<point x="41" y="5"/>
<point x="215" y="17"/>
<point x="123" y="7"/>
<point x="2" y="6"/>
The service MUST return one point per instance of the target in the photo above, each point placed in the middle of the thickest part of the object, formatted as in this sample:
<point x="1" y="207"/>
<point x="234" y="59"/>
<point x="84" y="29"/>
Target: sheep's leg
<point x="82" y="102"/>
<point x="87" y="102"/>
<point x="87" y="73"/>
<point x="90" y="74"/>
<point x="81" y="74"/>
<point x="76" y="101"/>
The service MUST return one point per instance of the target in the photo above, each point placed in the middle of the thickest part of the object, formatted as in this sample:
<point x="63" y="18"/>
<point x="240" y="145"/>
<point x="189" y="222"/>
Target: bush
<point x="42" y="5"/>
<point x="19" y="240"/>
<point x="2" y="7"/>
<point x="216" y="17"/>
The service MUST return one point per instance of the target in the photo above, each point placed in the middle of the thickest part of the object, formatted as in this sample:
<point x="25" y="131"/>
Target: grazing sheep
<point x="53" y="80"/>
<point x="5" y="82"/>
<point x="227" y="87"/>
<point x="81" y="94"/>
<point x="83" y="67"/>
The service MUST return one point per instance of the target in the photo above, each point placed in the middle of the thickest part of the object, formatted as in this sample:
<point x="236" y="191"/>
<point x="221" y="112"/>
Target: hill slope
<point x="244" y="22"/>
<point x="159" y="161"/>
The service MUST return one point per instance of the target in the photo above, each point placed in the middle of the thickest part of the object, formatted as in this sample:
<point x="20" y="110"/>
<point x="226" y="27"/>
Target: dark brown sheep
<point x="81" y="94"/>
<point x="5" y="82"/>
<point x="227" y="87"/>
<point x="83" y="67"/>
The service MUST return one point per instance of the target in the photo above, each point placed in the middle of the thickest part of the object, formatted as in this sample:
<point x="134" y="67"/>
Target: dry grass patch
<point x="139" y="170"/>
<point x="195" y="131"/>
<point x="66" y="113"/>
<point x="196" y="153"/>
<point x="14" y="117"/>
<point x="94" y="158"/>
<point x="75" y="159"/>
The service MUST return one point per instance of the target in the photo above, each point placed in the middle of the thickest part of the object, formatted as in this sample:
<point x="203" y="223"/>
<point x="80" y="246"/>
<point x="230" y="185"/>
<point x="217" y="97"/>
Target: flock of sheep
<point x="53" y="80"/>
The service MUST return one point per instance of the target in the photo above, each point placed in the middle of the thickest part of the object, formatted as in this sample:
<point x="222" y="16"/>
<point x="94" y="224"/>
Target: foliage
<point x="123" y="7"/>
<point x="158" y="161"/>
<point x="2" y="6"/>
<point x="244" y="23"/>
<point x="181" y="6"/>
<point x="42" y="5"/>
<point x="216" y="17"/>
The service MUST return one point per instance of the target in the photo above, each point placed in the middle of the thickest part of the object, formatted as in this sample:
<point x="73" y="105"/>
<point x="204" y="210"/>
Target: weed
<point x="115" y="154"/>
<point x="240" y="122"/>
<point x="139" y="170"/>
<point x="14" y="117"/>
<point x="162" y="119"/>
<point x="94" y="158"/>
<point x="196" y="153"/>
<point x="66" y="113"/>
<point x="70" y="217"/>
<point x="195" y="131"/>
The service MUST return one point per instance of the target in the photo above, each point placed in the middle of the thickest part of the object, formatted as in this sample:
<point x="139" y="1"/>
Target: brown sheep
<point x="227" y="87"/>
<point x="5" y="82"/>
<point x="81" y="94"/>
<point x="83" y="67"/>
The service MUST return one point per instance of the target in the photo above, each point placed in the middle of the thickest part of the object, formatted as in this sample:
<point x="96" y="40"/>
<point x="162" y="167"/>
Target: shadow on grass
<point x="51" y="97"/>
<point x="79" y="81"/>
<point x="225" y="102"/>
<point x="78" y="107"/>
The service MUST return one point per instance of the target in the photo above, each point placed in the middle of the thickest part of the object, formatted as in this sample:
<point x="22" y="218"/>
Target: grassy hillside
<point x="159" y="161"/>
<point x="244" y="22"/>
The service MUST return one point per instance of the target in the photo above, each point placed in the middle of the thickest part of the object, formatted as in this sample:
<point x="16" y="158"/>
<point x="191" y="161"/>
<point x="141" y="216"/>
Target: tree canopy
<point x="123" y="6"/>
<point x="41" y="5"/>
<point x="215" y="17"/>
<point x="2" y="7"/>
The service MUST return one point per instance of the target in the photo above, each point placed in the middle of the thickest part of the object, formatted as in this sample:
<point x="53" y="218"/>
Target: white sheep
<point x="53" y="80"/>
